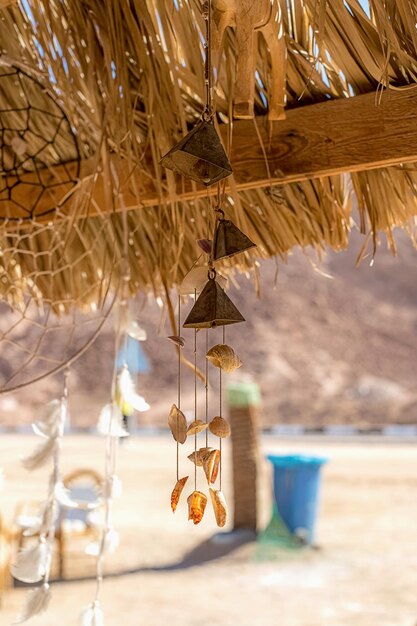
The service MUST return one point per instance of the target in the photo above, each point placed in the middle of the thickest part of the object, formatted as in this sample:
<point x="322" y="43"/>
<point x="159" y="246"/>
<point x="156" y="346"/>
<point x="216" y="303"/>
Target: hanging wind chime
<point x="201" y="157"/>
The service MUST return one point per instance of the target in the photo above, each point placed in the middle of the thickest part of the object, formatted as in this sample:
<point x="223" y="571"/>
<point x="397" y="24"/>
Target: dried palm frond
<point x="130" y="78"/>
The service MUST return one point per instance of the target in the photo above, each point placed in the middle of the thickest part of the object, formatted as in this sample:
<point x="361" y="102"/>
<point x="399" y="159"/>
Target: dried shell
<point x="211" y="465"/>
<point x="219" y="427"/>
<point x="219" y="506"/>
<point x="196" y="506"/>
<point x="223" y="356"/>
<point x="205" y="453"/>
<point x="177" y="491"/>
<point x="179" y="341"/>
<point x="177" y="424"/>
<point x="198" y="457"/>
<point x="196" y="427"/>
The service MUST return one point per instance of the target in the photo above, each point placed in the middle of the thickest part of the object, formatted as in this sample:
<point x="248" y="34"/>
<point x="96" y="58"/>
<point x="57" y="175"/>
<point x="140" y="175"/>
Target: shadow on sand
<point x="217" y="547"/>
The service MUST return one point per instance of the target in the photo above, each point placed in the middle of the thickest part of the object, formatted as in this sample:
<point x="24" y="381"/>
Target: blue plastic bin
<point x="296" y="490"/>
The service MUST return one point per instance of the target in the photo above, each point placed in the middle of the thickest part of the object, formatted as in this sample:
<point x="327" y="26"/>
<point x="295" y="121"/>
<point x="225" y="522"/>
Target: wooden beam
<point x="346" y="135"/>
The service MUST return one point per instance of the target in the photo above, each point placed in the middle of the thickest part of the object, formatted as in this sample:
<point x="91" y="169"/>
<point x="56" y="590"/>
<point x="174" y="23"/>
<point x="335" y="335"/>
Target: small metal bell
<point x="229" y="240"/>
<point x="213" y="308"/>
<point x="199" y="155"/>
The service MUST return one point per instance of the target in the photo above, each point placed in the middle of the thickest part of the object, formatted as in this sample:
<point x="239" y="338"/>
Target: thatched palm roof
<point x="129" y="79"/>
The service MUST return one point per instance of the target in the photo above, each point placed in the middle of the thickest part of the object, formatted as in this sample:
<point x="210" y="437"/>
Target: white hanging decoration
<point x="110" y="421"/>
<point x="31" y="564"/>
<point x="125" y="387"/>
<point x="37" y="601"/>
<point x="113" y="487"/>
<point x="50" y="429"/>
<point x="40" y="456"/>
<point x="92" y="615"/>
<point x="50" y="425"/>
<point x="34" y="564"/>
<point x="135" y="331"/>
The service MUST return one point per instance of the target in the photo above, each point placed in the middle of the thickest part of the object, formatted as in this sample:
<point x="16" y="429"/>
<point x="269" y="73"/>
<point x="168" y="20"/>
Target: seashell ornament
<point x="219" y="506"/>
<point x="178" y="424"/>
<point x="177" y="491"/>
<point x="224" y="357"/>
<point x="196" y="427"/>
<point x="220" y="427"/>
<point x="197" y="457"/>
<point x="196" y="506"/>
<point x="211" y="464"/>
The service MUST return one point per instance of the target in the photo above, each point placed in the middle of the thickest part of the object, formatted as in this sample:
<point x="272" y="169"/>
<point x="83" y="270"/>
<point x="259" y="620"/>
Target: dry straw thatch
<point x="129" y="76"/>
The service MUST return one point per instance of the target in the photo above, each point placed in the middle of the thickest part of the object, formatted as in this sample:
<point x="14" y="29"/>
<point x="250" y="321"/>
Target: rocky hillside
<point x="327" y="342"/>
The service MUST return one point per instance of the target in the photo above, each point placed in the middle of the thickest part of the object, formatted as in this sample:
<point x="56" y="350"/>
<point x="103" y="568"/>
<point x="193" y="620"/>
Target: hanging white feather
<point x="31" y="564"/>
<point x="113" y="488"/>
<point x="37" y="601"/>
<point x="127" y="390"/>
<point x="92" y="615"/>
<point x="52" y="423"/>
<point x="111" y="413"/>
<point x="41" y="455"/>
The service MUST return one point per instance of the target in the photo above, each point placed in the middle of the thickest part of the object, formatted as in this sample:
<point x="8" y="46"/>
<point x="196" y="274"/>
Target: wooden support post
<point x="243" y="402"/>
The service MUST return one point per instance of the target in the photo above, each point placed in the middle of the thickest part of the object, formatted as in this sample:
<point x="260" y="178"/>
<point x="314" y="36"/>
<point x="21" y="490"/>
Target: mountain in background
<point x="328" y="343"/>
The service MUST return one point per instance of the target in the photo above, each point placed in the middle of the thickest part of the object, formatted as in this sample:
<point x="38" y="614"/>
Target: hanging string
<point x="208" y="73"/>
<point x="179" y="381"/>
<point x="55" y="478"/>
<point x="111" y="440"/>
<point x="221" y="410"/>
<point x="207" y="386"/>
<point x="195" y="398"/>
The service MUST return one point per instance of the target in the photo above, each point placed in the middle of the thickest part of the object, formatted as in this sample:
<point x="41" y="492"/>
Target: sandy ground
<point x="364" y="574"/>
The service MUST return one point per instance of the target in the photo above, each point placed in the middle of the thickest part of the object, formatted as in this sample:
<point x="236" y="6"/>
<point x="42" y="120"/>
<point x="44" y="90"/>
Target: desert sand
<point x="364" y="572"/>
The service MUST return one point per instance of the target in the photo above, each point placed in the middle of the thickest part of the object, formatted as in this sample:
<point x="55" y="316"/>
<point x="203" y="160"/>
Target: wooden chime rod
<point x="345" y="135"/>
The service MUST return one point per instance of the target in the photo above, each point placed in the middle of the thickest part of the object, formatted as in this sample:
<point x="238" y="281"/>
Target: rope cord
<point x="221" y="410"/>
<point x="195" y="398"/>
<point x="206" y="386"/>
<point x="179" y="381"/>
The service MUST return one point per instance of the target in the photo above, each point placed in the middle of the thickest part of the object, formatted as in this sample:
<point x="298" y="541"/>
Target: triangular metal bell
<point x="213" y="308"/>
<point x="199" y="155"/>
<point x="229" y="240"/>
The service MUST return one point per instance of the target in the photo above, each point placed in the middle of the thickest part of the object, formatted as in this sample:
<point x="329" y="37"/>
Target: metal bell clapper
<point x="199" y="155"/>
<point x="213" y="307"/>
<point x="228" y="239"/>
